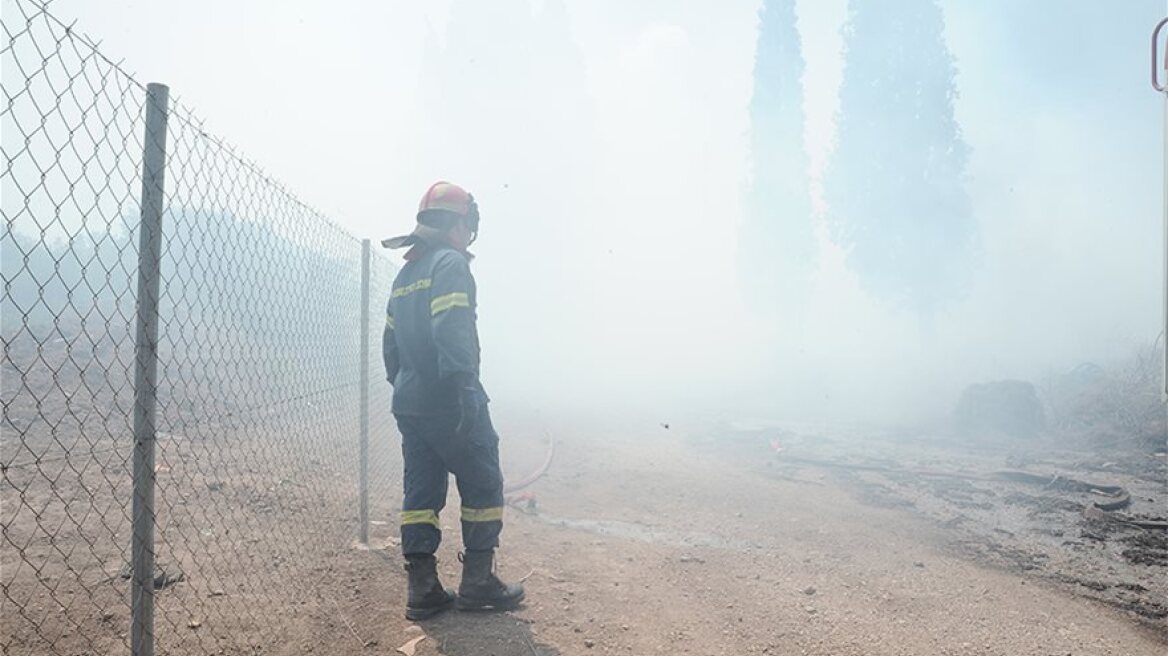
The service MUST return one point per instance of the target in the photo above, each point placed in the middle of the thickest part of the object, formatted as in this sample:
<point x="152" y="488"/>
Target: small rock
<point x="194" y="624"/>
<point x="810" y="610"/>
<point x="918" y="564"/>
<point x="809" y="591"/>
<point x="589" y="643"/>
<point x="217" y="593"/>
<point x="691" y="559"/>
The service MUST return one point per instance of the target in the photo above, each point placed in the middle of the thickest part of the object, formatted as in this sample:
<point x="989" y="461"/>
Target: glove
<point x="472" y="402"/>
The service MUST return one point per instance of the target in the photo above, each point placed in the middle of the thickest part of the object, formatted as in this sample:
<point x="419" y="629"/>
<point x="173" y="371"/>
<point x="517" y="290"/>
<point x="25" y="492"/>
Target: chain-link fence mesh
<point x="258" y="371"/>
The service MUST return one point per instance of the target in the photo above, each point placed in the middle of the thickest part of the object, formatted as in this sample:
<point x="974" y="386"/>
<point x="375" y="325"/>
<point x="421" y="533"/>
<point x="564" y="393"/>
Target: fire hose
<point x="530" y="479"/>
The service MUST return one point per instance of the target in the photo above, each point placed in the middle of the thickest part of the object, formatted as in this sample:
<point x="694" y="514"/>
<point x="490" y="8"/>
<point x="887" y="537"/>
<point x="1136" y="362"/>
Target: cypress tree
<point x="778" y="245"/>
<point x="895" y="190"/>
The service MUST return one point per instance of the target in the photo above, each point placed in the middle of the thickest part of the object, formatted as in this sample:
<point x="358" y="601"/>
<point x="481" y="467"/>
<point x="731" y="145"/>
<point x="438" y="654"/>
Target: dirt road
<point x="642" y="544"/>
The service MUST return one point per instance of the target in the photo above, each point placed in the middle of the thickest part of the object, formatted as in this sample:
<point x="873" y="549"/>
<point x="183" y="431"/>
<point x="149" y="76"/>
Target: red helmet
<point x="441" y="202"/>
<point x="446" y="196"/>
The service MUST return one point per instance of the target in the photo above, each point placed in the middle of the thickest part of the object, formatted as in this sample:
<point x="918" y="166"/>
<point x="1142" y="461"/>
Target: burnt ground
<point x="1038" y="530"/>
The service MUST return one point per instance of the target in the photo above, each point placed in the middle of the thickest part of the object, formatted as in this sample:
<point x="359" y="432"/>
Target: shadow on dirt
<point x="500" y="634"/>
<point x="455" y="633"/>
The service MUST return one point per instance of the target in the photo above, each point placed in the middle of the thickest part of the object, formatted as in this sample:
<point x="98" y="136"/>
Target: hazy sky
<point x="325" y="95"/>
<point x="1065" y="174"/>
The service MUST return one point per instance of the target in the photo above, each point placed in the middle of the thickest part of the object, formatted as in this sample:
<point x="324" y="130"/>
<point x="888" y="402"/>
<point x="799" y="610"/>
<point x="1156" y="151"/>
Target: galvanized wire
<point x="258" y="374"/>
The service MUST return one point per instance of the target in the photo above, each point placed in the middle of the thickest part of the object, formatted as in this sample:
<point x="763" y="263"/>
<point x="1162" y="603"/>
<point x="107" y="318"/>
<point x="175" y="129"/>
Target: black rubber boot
<point x="481" y="589"/>
<point x="427" y="597"/>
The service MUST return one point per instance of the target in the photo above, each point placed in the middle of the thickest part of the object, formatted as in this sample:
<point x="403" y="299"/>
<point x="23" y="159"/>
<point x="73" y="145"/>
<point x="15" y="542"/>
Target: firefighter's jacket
<point x="430" y="339"/>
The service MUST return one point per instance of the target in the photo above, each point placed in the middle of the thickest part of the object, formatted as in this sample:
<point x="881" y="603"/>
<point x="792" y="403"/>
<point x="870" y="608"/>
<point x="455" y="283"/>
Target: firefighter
<point x="431" y="352"/>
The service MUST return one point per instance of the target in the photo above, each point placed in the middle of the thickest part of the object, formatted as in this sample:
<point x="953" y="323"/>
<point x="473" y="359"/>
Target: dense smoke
<point x="845" y="209"/>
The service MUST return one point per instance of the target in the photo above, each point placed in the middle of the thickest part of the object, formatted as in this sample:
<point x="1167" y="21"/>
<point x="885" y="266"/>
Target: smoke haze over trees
<point x="626" y="154"/>
<point x="778" y="241"/>
<point x="895" y="188"/>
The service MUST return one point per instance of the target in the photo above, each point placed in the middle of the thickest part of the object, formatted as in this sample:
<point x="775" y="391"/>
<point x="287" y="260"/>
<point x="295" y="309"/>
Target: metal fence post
<point x="1160" y="67"/>
<point x="146" y="370"/>
<point x="363" y="447"/>
<point x="1164" y="291"/>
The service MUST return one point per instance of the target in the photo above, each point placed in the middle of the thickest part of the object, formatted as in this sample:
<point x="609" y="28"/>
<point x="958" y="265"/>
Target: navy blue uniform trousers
<point x="432" y="450"/>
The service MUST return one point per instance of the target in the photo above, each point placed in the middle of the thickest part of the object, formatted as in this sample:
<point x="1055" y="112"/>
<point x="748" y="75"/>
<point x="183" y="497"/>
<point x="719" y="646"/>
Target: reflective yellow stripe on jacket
<point x="448" y="301"/>
<point x="417" y="285"/>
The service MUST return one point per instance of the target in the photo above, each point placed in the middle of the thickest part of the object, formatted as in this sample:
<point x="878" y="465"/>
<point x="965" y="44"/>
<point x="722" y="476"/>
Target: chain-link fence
<point x="256" y="377"/>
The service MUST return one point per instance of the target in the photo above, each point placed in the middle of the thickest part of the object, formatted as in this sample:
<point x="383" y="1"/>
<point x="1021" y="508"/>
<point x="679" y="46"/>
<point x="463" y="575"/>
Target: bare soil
<point x="646" y="540"/>
<point x="640" y="540"/>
